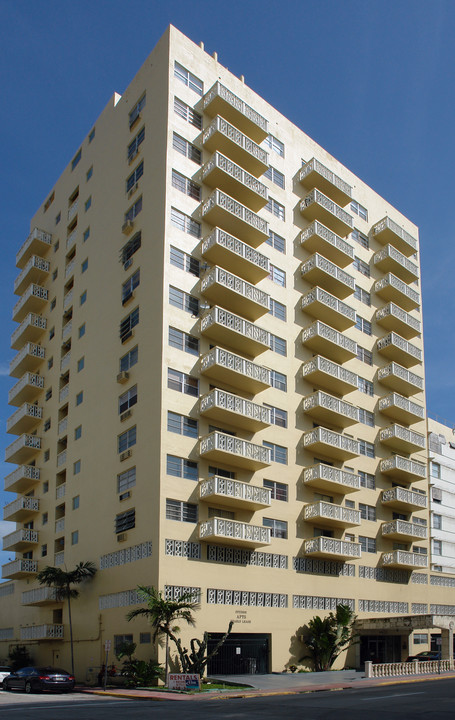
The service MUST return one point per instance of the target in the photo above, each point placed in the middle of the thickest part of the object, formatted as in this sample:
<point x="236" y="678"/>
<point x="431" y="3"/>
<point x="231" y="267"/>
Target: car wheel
<point x="28" y="687"/>
<point x="5" y="686"/>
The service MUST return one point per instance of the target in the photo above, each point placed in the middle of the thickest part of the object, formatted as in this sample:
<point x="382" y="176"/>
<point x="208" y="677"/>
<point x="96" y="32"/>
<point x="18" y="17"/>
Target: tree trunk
<point x="167" y="661"/>
<point x="71" y="633"/>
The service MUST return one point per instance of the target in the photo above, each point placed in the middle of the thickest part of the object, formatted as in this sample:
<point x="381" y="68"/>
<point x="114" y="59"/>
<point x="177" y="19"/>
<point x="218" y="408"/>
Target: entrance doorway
<point x="380" y="648"/>
<point x="241" y="654"/>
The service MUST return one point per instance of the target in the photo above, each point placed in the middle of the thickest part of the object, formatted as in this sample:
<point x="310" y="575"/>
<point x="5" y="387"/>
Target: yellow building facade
<point x="219" y="383"/>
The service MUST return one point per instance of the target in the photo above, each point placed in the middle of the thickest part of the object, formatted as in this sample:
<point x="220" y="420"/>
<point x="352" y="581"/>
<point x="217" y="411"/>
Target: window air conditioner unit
<point x="125" y="455"/>
<point x="127" y="227"/>
<point x="125" y="415"/>
<point x="123" y="376"/>
<point x="121" y="537"/>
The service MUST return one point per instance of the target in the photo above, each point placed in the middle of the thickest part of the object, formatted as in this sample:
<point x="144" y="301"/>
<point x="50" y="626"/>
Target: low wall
<point x="428" y="667"/>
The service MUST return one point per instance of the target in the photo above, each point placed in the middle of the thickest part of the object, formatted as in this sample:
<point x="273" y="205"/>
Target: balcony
<point x="23" y="449"/>
<point x="316" y="175"/>
<point x="21" y="479"/>
<point x="24" y="419"/>
<point x="34" y="300"/>
<point x="36" y="270"/>
<point x="61" y="458"/>
<point x="234" y="410"/>
<point x="29" y="357"/>
<point x="326" y="307"/>
<point x="68" y="299"/>
<point x="330" y="444"/>
<point x="39" y="596"/>
<point x="317" y="270"/>
<point x="403" y="559"/>
<point x="62" y="427"/>
<point x="37" y="243"/>
<point x="324" y="339"/>
<point x="223" y="137"/>
<point x="396" y="377"/>
<point x="403" y="530"/>
<point x="234" y="451"/>
<point x="234" y="370"/>
<point x="60" y="525"/>
<point x="328" y="514"/>
<point x="220" y="172"/>
<point x="222" y="210"/>
<point x="71" y="239"/>
<point x="19" y="569"/>
<point x="64" y="393"/>
<point x="21" y="509"/>
<point x="330" y="410"/>
<point x="236" y="256"/>
<point x="329" y="375"/>
<point x="30" y="329"/>
<point x="73" y="208"/>
<point x="403" y="469"/>
<point x="28" y="388"/>
<point x="233" y="493"/>
<point x="41" y="632"/>
<point x="229" y="329"/>
<point x="239" y="534"/>
<point x="400" y="408"/>
<point x="389" y="259"/>
<point x="317" y="238"/>
<point x="60" y="491"/>
<point x="387" y="231"/>
<point x="331" y="479"/>
<point x="20" y="540"/>
<point x="392" y="317"/>
<point x="395" y="347"/>
<point x="392" y="288"/>
<point x="65" y="361"/>
<point x="69" y="269"/>
<point x="401" y="438"/>
<point x="233" y="293"/>
<point x="317" y="206"/>
<point x="401" y="499"/>
<point x="331" y="549"/>
<point x="59" y="558"/>
<point x="221" y="101"/>
<point x="66" y="331"/>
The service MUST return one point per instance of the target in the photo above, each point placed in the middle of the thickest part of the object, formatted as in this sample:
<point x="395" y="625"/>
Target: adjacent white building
<point x="441" y="451"/>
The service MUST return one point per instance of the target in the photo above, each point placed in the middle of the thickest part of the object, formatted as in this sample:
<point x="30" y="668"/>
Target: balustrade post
<point x="368" y="669"/>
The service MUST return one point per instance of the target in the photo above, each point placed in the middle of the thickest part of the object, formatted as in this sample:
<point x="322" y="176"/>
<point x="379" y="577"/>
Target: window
<point x="49" y="201"/>
<point x="182" y="425"/>
<point x="47" y="425"/>
<point x="47" y="454"/>
<point x="80" y="364"/>
<point x="221" y="472"/>
<point x="75" y="502"/>
<point x="182" y="383"/>
<point x="365" y="386"/>
<point x="181" y="467"/>
<point x="367" y="480"/>
<point x="84" y="265"/>
<point x="130" y="285"/>
<point x="367" y="544"/>
<point x="53" y="303"/>
<point x="274" y="144"/>
<point x="364" y="355"/>
<point x="51" y="333"/>
<point x="277" y="309"/>
<point x="50" y="363"/>
<point x="75" y="537"/>
<point x="363" y="325"/>
<point x="276" y="241"/>
<point x="136" y="111"/>
<point x="366" y="448"/>
<point x="188" y="79"/>
<point x="362" y="295"/>
<point x="278" y="528"/>
<point x="133" y="147"/>
<point x="186" y="186"/>
<point x="185" y="223"/>
<point x="43" y="550"/>
<point x="276" y="208"/>
<point x="277" y="276"/>
<point x="86" y="234"/>
<point x="76" y="159"/>
<point x="359" y="210"/>
<point x="128" y="323"/>
<point x="81" y="331"/>
<point x="277" y="344"/>
<point x="88" y="203"/>
<point x="135" y="176"/>
<point x="437" y="547"/>
<point x="125" y="521"/>
<point x="126" y="440"/>
<point x="278" y="380"/>
<point x="278" y="453"/>
<point x="145" y="638"/>
<point x="130" y="248"/>
<point x="44" y="518"/>
<point x="435" y="470"/>
<point x="367" y="512"/>
<point x="79" y="398"/>
<point x="58" y="218"/>
<point x="89" y="173"/>
<point x="420" y="638"/>
<point x="277" y="416"/>
<point x="279" y="491"/>
<point x="54" y="274"/>
<point x="120" y="640"/>
<point x="183" y="301"/>
<point x="78" y="432"/>
<point x="360" y="238"/>
<point x="91" y="135"/>
<point x="180" y="340"/>
<point x="127" y="400"/>
<point x="437" y="522"/>
<point x="184" y="261"/>
<point x="48" y="394"/>
<point x="182" y="511"/>
<point x="130" y="359"/>
<point x="349" y="504"/>
<point x="361" y="266"/>
<point x="126" y="480"/>
<point x="187" y="113"/>
<point x="134" y="210"/>
<point x="83" y="298"/>
<point x="76" y="467"/>
<point x="366" y="417"/>
<point x="184" y="147"/>
<point x="275" y="176"/>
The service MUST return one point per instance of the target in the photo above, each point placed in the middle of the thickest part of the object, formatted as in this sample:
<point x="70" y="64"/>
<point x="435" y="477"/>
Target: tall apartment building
<point x="441" y="450"/>
<point x="219" y="383"/>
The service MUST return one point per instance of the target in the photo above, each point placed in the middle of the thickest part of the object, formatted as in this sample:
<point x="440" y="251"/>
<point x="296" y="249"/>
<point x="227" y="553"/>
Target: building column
<point x="447" y="644"/>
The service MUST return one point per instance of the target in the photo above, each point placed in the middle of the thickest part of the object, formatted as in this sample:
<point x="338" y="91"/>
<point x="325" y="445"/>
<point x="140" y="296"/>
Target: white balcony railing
<point x="331" y="403"/>
<point x="60" y="525"/>
<point x="321" y="231"/>
<point x="231" y="282"/>
<point x="398" y="401"/>
<point x="35" y="263"/>
<point x="401" y="495"/>
<point x="234" y="530"/>
<point x="403" y="527"/>
<point x="61" y="458"/>
<point x="389" y="225"/>
<point x="389" y="251"/>
<point x="392" y="310"/>
<point x="331" y="512"/>
<point x="71" y="239"/>
<point x="65" y="361"/>
<point x="238" y="491"/>
<point x="70" y="268"/>
<point x="219" y="90"/>
<point x="331" y="438"/>
<point x="23" y="472"/>
<point x="319" y="295"/>
<point x="39" y="595"/>
<point x="335" y="371"/>
<point x="315" y="166"/>
<point x="394" y="340"/>
<point x="235" y="363"/>
<point x="42" y="632"/>
<point x="391" y="280"/>
<point x="318" y="262"/>
<point x="319" y="329"/>
<point x="21" y="503"/>
<point x="60" y="491"/>
<point x="64" y="393"/>
<point x="27" y="379"/>
<point x="73" y="208"/>
<point x="403" y="465"/>
<point x="26" y="410"/>
<point x="32" y="320"/>
<point x="235" y="446"/>
<point x="59" y="558"/>
<point x="29" y="349"/>
<point x="219" y="161"/>
<point x="316" y="196"/>
<point x="24" y="441"/>
<point x="220" y="125"/>
<point x="36" y="235"/>
<point x="330" y="546"/>
<point x="402" y="433"/>
<point x="227" y="203"/>
<point x="63" y="426"/>
<point x="236" y="246"/>
<point x="33" y="290"/>
<point x="23" y="535"/>
<point x="234" y="404"/>
<point x="397" y="371"/>
<point x="330" y="474"/>
<point x="404" y="558"/>
<point x="19" y="567"/>
<point x="218" y="316"/>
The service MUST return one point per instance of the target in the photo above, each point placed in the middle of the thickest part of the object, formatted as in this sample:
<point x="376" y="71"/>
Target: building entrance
<point x="241" y="654"/>
<point x="380" y="648"/>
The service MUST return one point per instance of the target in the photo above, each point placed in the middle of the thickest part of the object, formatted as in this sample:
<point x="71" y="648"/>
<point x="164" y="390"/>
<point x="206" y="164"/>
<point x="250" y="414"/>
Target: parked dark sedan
<point x="425" y="655"/>
<point x="37" y="679"/>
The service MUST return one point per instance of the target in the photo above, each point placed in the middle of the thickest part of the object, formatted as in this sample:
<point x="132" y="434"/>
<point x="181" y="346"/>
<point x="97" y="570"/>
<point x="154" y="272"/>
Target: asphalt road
<point x="430" y="699"/>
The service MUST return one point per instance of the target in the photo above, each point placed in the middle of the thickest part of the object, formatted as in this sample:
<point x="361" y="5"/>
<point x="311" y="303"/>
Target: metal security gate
<point x="380" y="648"/>
<point x="241" y="654"/>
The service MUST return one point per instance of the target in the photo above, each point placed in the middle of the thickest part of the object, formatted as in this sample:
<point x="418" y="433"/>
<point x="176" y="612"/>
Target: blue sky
<point x="371" y="80"/>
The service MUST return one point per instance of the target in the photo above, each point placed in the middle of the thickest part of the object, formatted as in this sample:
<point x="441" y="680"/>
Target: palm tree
<point x="327" y="637"/>
<point x="163" y="613"/>
<point x="63" y="582"/>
